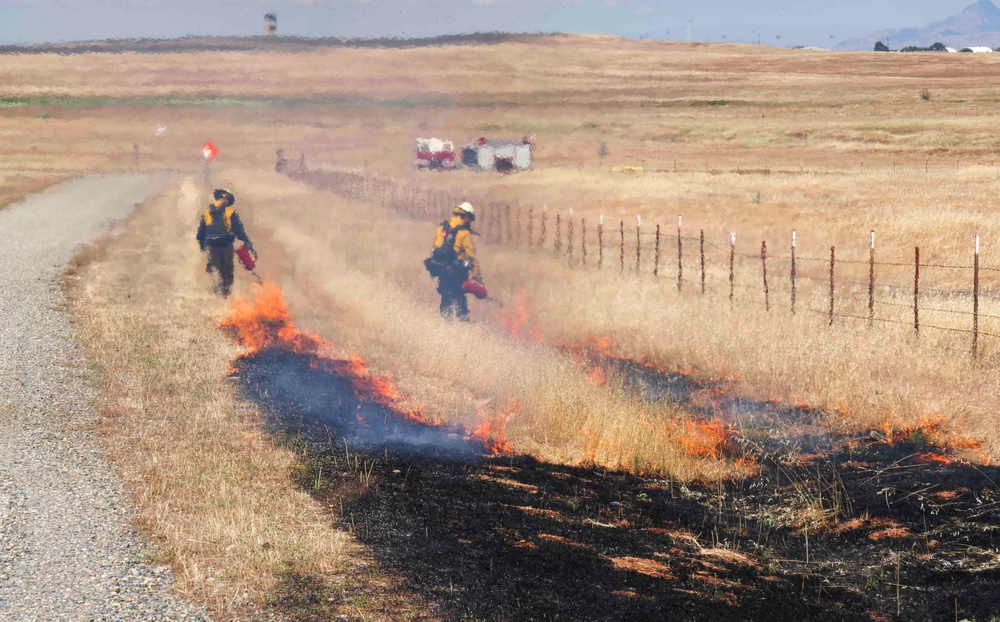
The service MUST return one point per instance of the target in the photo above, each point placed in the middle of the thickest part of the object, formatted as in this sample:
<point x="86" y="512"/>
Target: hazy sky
<point x="778" y="22"/>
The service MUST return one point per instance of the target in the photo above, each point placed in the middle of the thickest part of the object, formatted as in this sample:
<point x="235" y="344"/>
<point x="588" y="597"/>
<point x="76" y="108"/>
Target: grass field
<point x="752" y="139"/>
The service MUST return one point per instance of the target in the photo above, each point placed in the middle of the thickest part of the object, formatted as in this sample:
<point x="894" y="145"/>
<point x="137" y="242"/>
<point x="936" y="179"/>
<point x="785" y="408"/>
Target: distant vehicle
<point x="434" y="153"/>
<point x="501" y="155"/>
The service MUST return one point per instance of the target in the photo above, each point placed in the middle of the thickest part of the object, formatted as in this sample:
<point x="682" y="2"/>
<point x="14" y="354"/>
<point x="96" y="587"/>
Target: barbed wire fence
<point x="838" y="289"/>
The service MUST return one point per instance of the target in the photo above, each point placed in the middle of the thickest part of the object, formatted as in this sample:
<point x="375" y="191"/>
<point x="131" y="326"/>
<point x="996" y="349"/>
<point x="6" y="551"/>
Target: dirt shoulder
<point x="68" y="548"/>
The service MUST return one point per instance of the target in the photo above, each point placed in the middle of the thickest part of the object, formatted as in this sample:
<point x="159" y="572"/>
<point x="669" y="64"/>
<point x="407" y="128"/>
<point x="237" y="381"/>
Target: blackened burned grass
<point x="860" y="532"/>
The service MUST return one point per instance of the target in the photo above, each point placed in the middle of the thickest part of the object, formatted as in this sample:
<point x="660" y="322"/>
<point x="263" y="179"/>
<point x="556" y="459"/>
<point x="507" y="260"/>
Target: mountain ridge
<point x="976" y="25"/>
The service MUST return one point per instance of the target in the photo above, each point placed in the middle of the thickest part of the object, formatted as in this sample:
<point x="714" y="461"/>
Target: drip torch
<point x="249" y="259"/>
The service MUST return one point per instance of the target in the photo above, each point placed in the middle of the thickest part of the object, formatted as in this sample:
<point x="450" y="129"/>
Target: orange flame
<point x="933" y="458"/>
<point x="706" y="439"/>
<point x="932" y="431"/>
<point x="519" y="320"/>
<point x="592" y="357"/>
<point x="264" y="321"/>
<point x="492" y="433"/>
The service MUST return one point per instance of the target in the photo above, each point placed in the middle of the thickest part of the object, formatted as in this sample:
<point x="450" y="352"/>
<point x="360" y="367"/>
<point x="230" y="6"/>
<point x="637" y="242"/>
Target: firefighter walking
<point x="219" y="228"/>
<point x="453" y="262"/>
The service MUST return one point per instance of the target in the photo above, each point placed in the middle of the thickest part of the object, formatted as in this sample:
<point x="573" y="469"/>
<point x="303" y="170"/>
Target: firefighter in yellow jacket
<point x="220" y="226"/>
<point x="453" y="261"/>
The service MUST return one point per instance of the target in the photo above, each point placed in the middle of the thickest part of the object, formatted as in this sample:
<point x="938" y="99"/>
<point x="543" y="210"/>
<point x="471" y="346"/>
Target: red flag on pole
<point x="209" y="150"/>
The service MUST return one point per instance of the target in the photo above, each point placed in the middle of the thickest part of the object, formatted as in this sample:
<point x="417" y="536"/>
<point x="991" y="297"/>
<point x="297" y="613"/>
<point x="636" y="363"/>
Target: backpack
<point x="443" y="262"/>
<point x="219" y="231"/>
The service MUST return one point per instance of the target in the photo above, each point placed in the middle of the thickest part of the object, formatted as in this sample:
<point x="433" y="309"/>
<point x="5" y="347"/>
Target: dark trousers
<point x="220" y="260"/>
<point x="453" y="302"/>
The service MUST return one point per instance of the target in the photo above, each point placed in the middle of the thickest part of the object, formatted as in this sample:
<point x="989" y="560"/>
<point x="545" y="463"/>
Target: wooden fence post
<point x="517" y="231"/>
<point x="506" y="213"/>
<point x="916" y="291"/>
<point x="793" y="272"/>
<point x="557" y="245"/>
<point x="702" y="245"/>
<point x="832" y="263"/>
<point x="680" y="264"/>
<point x="975" y="302"/>
<point x="763" y="264"/>
<point x="656" y="253"/>
<point x="583" y="240"/>
<point x="569" y="235"/>
<point x="732" y="265"/>
<point x="531" y="225"/>
<point x="871" y="280"/>
<point x="485" y="222"/>
<point x="600" y="242"/>
<point x="545" y="219"/>
<point x="638" y="240"/>
<point x="496" y="223"/>
<point x="621" y="228"/>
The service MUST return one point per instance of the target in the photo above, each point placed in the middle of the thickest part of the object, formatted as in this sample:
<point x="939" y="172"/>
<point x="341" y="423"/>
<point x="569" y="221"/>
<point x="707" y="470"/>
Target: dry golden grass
<point x="359" y="272"/>
<point x="353" y="272"/>
<point x="15" y="186"/>
<point x="210" y="485"/>
<point x="747" y="138"/>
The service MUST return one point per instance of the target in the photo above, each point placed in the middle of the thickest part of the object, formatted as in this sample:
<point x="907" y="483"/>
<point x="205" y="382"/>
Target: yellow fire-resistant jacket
<point x="464" y="246"/>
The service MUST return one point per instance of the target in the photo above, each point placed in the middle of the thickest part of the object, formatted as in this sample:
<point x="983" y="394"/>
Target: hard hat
<point x="222" y="193"/>
<point x="465" y="208"/>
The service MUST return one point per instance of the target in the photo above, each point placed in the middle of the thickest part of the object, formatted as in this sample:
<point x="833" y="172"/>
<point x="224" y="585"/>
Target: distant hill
<point x="976" y="25"/>
<point x="236" y="44"/>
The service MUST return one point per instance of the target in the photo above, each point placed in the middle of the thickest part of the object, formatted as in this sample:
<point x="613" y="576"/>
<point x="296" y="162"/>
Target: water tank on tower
<point x="270" y="23"/>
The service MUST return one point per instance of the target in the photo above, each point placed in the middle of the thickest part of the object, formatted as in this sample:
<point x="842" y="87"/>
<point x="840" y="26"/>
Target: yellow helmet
<point x="222" y="193"/>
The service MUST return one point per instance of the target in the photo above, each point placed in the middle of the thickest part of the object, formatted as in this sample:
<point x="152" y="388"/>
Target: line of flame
<point x="264" y="321"/>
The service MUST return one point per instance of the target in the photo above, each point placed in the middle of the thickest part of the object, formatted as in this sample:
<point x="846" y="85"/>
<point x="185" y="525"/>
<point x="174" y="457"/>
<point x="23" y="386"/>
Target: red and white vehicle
<point x="434" y="153"/>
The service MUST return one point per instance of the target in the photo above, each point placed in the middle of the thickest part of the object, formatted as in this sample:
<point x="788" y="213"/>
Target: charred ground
<point x="861" y="529"/>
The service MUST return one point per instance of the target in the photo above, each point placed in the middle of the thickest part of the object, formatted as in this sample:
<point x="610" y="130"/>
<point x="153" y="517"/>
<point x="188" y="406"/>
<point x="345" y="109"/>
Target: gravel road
<point x="67" y="550"/>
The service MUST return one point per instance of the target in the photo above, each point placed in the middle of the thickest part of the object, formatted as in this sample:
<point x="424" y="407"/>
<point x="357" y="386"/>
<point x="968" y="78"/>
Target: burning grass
<point x="802" y="141"/>
<point x="285" y="366"/>
<point x="210" y="487"/>
<point x="464" y="374"/>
